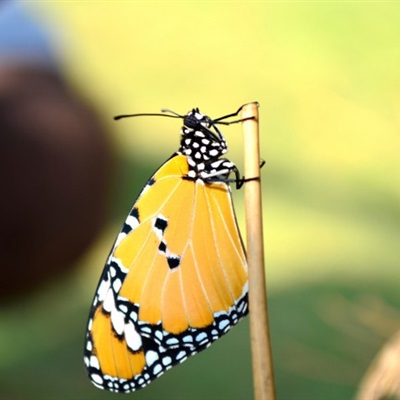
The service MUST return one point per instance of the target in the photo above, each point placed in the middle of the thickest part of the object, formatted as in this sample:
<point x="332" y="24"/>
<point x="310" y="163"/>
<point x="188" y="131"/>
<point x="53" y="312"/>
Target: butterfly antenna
<point x="219" y="120"/>
<point x="164" y="110"/>
<point x="167" y="110"/>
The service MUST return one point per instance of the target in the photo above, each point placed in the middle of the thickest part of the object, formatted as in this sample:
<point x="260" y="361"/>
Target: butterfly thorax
<point x="203" y="148"/>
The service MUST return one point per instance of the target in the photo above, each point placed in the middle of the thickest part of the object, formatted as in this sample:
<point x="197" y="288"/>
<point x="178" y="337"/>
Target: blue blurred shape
<point x="22" y="38"/>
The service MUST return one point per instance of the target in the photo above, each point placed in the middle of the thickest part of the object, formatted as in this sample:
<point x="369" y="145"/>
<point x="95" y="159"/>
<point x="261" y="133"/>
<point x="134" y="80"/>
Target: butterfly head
<point x="195" y="119"/>
<point x="201" y="140"/>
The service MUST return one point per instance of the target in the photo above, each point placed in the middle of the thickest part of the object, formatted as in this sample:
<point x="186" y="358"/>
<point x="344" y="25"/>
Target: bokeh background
<point x="326" y="75"/>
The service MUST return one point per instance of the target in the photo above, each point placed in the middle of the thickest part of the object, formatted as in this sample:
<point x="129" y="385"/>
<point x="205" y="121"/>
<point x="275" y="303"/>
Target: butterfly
<point x="176" y="277"/>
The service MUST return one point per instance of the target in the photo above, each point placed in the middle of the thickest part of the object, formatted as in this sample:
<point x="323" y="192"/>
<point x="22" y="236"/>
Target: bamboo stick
<point x="263" y="376"/>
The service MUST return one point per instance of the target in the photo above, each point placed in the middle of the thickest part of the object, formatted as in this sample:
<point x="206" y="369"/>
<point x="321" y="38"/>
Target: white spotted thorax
<point x="203" y="148"/>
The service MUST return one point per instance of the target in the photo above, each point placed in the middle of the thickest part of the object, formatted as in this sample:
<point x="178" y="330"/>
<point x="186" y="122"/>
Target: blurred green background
<point x="326" y="75"/>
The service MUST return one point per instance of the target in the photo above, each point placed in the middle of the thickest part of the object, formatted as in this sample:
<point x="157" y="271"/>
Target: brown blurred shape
<point x="54" y="175"/>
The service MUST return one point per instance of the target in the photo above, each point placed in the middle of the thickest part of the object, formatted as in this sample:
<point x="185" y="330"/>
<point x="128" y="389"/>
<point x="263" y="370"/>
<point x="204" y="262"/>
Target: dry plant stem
<point x="382" y="378"/>
<point x="263" y="377"/>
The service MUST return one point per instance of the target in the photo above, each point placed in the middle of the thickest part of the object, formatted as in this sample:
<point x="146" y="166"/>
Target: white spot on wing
<point x="157" y="369"/>
<point x="122" y="268"/>
<point x="223" y="324"/>
<point x="159" y="335"/>
<point x="121" y="236"/>
<point x="109" y="303"/>
<point x="201" y="336"/>
<point x="132" y="337"/>
<point x="146" y="329"/>
<point x="94" y="362"/>
<point x="172" y="341"/>
<point x="117" y="285"/>
<point x="97" y="378"/>
<point x="103" y="289"/>
<point x="166" y="361"/>
<point x="123" y="308"/>
<point x="117" y="320"/>
<point x="132" y="221"/>
<point x="151" y="357"/>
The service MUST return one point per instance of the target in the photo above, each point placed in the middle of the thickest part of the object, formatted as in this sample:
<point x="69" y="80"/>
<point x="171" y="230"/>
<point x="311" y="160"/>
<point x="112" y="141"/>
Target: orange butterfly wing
<point x="175" y="281"/>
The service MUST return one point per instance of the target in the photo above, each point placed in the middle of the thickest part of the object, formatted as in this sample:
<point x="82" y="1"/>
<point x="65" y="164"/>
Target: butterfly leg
<point x="221" y="172"/>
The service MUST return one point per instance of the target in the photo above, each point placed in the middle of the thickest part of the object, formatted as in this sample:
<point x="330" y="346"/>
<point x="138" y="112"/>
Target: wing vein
<point x="221" y="265"/>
